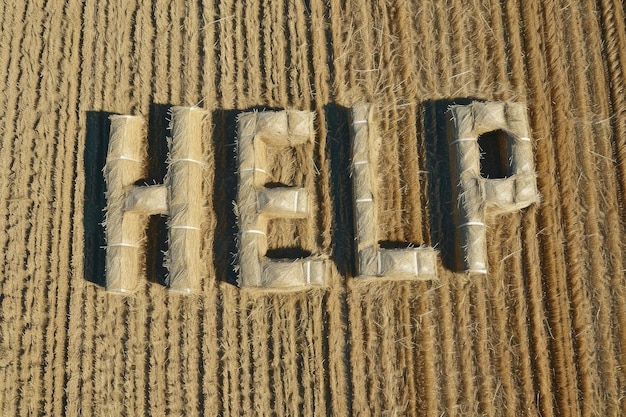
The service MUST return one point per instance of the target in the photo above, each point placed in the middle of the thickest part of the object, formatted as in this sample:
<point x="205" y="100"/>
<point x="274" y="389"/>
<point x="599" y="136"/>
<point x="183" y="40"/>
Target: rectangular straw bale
<point x="186" y="167"/>
<point x="125" y="164"/>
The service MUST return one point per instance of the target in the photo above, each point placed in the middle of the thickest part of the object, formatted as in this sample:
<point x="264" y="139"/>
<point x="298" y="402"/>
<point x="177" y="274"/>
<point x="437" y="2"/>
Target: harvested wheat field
<point x="543" y="332"/>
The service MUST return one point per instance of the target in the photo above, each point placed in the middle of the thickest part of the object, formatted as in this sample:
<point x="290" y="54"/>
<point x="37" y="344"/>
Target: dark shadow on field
<point x="338" y="149"/>
<point x="96" y="146"/>
<point x="225" y="193"/>
<point x="442" y="227"/>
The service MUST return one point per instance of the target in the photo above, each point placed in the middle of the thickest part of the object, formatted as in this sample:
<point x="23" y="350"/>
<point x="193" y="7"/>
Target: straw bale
<point x="279" y="202"/>
<point x="372" y="260"/>
<point x="148" y="200"/>
<point x="126" y="164"/>
<point x="257" y="203"/>
<point x="477" y="196"/>
<point x="289" y="273"/>
<point x="184" y="181"/>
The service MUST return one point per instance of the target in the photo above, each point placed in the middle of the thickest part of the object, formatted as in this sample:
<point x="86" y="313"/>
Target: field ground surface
<point x="544" y="333"/>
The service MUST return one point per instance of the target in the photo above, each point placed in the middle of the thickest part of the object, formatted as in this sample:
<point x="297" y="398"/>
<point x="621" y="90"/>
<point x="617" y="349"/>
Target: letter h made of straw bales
<point x="129" y="206"/>
<point x="478" y="197"/>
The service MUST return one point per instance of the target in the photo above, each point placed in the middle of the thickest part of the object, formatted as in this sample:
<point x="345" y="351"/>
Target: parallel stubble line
<point x="190" y="345"/>
<point x="404" y="330"/>
<point x="392" y="388"/>
<point x="23" y="241"/>
<point x="568" y="170"/>
<point x="243" y="77"/>
<point x="424" y="38"/>
<point x="608" y="200"/>
<point x="614" y="30"/>
<point x="137" y="375"/>
<point x="260" y="350"/>
<point x="303" y="71"/>
<point x="427" y="356"/>
<point x="190" y="68"/>
<point x="484" y="367"/>
<point x="517" y="310"/>
<point x="35" y="340"/>
<point x="498" y="42"/>
<point x="442" y="42"/>
<point x="289" y="341"/>
<point x="63" y="222"/>
<point x="85" y="376"/>
<point x="297" y="70"/>
<point x="598" y="285"/>
<point x="253" y="50"/>
<point x="500" y="303"/>
<point x="335" y="317"/>
<point x="280" y="50"/>
<point x="513" y="42"/>
<point x="191" y="355"/>
<point x="358" y="357"/>
<point x="368" y="304"/>
<point x="208" y="32"/>
<point x="247" y="331"/>
<point x="140" y="59"/>
<point x="279" y="399"/>
<point x="449" y="347"/>
<point x="462" y="78"/>
<point x="174" y="371"/>
<point x="307" y="372"/>
<point x="402" y="151"/>
<point x="339" y="35"/>
<point x="316" y="332"/>
<point x="69" y="319"/>
<point x="538" y="331"/>
<point x="11" y="306"/>
<point x="230" y="350"/>
<point x="464" y="338"/>
<point x="225" y="64"/>
<point x="158" y="346"/>
<point x="210" y="400"/>
<point x="553" y="259"/>
<point x="613" y="33"/>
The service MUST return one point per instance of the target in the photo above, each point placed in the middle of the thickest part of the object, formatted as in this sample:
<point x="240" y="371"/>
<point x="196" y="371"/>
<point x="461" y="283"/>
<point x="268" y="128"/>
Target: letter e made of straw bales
<point x="411" y="263"/>
<point x="129" y="206"/>
<point x="477" y="196"/>
<point x="258" y="203"/>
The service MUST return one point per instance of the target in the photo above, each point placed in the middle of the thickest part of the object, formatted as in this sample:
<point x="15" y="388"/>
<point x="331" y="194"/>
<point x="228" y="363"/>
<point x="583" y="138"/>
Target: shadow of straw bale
<point x="339" y="151"/>
<point x="96" y="145"/>
<point x="225" y="193"/>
